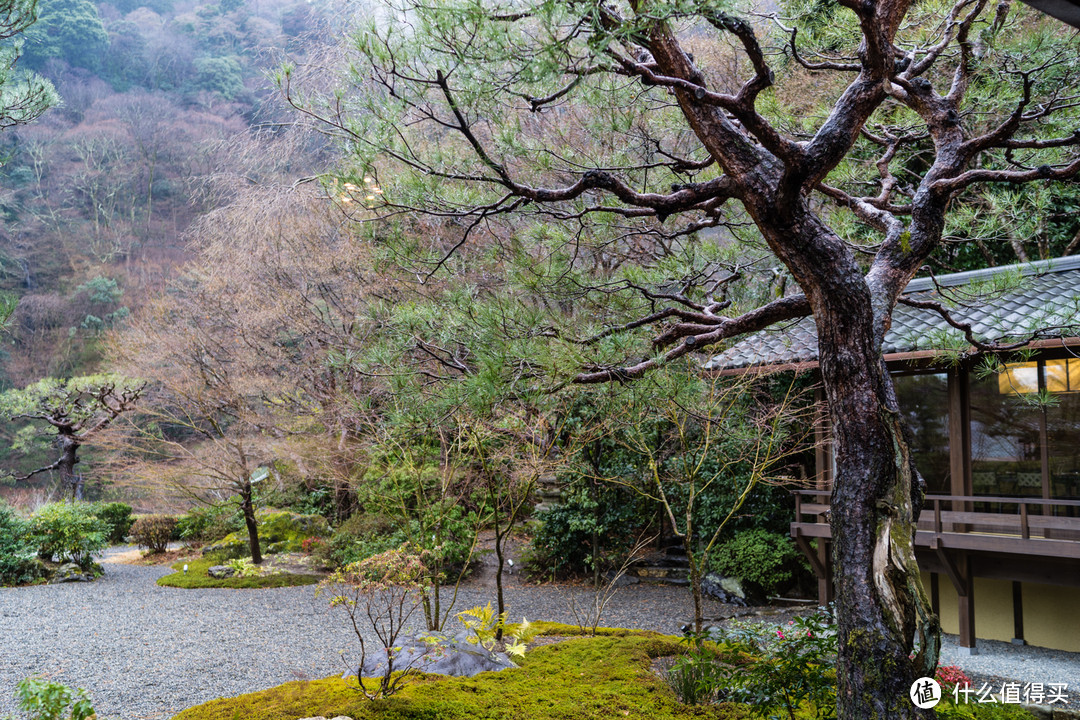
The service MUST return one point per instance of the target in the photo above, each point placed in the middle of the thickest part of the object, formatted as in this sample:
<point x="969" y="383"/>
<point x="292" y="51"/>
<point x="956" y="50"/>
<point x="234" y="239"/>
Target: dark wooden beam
<point x="1018" y="614"/>
<point x="1021" y="568"/>
<point x="953" y="571"/>
<point x="811" y="556"/>
<point x="966" y="621"/>
<point x="1003" y="544"/>
<point x="826" y="589"/>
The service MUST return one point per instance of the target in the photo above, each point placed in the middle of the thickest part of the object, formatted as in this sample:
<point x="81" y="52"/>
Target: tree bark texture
<point x="883" y="613"/>
<point x="69" y="458"/>
<point x="881" y="603"/>
<point x="247" y="505"/>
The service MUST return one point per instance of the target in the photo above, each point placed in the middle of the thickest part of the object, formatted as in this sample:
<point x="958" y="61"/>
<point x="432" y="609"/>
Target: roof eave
<point x="1064" y="10"/>
<point x="890" y="358"/>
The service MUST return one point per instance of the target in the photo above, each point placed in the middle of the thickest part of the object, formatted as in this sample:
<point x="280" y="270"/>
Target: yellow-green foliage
<point x="485" y="625"/>
<point x="604" y="678"/>
<point x="196" y="577"/>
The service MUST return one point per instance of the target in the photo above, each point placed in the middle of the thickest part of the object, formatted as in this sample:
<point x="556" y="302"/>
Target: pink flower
<point x="780" y="634"/>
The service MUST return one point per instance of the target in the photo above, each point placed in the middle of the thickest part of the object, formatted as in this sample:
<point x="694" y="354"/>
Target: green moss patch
<point x="279" y="532"/>
<point x="600" y="678"/>
<point x="554" y="629"/>
<point x="196" y="577"/>
<point x="605" y="678"/>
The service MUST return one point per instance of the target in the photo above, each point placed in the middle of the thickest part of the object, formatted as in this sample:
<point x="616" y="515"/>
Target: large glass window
<point x="1005" y="432"/>
<point x="924" y="402"/>
<point x="1063" y="427"/>
<point x="1008" y="413"/>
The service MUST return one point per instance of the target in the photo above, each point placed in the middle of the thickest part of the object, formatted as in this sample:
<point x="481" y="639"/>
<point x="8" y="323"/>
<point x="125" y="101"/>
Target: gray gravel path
<point x="144" y="651"/>
<point x="998" y="661"/>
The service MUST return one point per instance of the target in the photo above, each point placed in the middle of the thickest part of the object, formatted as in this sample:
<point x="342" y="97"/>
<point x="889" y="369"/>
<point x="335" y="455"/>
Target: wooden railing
<point x="1024" y="525"/>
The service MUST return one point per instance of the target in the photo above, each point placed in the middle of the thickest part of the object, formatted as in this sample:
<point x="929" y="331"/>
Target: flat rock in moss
<point x="279" y="532"/>
<point x="440" y="654"/>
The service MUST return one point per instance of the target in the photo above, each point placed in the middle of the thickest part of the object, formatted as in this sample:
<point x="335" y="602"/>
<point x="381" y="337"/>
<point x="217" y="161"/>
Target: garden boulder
<point x="71" y="572"/>
<point x="726" y="590"/>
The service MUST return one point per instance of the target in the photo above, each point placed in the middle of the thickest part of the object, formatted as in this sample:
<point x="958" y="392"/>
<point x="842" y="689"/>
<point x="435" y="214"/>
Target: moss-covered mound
<point x="197" y="577"/>
<point x="602" y="678"/>
<point x="279" y="532"/>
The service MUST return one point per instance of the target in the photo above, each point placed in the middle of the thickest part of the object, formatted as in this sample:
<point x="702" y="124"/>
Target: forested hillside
<point x="96" y="196"/>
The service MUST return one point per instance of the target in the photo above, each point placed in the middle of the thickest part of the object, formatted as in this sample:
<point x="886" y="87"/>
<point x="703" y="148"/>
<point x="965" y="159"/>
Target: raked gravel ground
<point x="145" y="651"/>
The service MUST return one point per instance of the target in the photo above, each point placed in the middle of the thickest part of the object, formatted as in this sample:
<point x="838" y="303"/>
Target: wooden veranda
<point x="1020" y="539"/>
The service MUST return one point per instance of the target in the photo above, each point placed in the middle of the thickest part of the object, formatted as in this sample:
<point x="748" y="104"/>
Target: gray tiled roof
<point x="1068" y="11"/>
<point x="1048" y="295"/>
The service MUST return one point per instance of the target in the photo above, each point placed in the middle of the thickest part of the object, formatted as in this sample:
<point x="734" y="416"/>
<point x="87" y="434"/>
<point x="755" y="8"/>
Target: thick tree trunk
<point x="69" y="457"/>
<point x="881" y="605"/>
<point x="248" y="507"/>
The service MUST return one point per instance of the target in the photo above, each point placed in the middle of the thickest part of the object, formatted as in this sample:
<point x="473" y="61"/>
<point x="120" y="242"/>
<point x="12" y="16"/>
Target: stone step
<point x="659" y="573"/>
<point x="682" y="582"/>
<point x="664" y="562"/>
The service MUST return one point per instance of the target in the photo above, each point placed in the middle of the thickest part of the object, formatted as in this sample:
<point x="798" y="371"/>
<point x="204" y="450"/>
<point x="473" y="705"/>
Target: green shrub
<point x="379" y="594"/>
<point x="767" y="560"/>
<point x="361" y="536"/>
<point x="16" y="550"/>
<point x="299" y="497"/>
<point x="210" y="524"/>
<point x="696" y="676"/>
<point x="118" y="517"/>
<point x="562" y="545"/>
<point x="793" y="670"/>
<point x="43" y="699"/>
<point x="153" y="532"/>
<point x="68" y="531"/>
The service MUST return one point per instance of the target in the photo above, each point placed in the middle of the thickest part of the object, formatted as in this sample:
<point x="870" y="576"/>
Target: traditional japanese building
<point x="996" y="436"/>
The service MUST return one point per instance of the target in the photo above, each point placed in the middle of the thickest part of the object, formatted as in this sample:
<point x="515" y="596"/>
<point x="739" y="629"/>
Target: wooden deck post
<point x="826" y="593"/>
<point x="935" y="594"/>
<point x="966" y="610"/>
<point x="1018" y="614"/>
<point x="959" y="440"/>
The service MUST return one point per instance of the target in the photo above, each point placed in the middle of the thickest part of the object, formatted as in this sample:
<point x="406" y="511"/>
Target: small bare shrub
<point x="379" y="594"/>
<point x="153" y="532"/>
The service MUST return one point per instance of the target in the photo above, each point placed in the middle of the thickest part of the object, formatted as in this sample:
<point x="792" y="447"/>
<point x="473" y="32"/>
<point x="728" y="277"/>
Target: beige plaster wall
<point x="1050" y="612"/>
